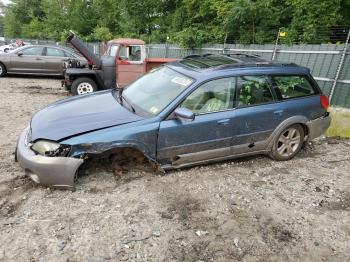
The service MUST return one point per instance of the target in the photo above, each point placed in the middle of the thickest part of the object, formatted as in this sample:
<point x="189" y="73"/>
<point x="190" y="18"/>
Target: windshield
<point x="157" y="89"/>
<point x="112" y="50"/>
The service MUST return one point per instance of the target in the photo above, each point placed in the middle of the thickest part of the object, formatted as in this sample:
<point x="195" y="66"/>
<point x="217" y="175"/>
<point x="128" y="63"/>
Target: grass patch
<point x="340" y="125"/>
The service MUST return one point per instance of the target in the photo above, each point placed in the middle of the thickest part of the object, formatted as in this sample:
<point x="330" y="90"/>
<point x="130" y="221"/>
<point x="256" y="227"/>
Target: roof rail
<point x="243" y="54"/>
<point x="196" y="55"/>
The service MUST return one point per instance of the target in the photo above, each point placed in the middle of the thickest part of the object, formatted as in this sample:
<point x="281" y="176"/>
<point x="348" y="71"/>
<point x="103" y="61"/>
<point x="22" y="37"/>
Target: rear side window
<point x="287" y="87"/>
<point x="253" y="90"/>
<point x="54" y="52"/>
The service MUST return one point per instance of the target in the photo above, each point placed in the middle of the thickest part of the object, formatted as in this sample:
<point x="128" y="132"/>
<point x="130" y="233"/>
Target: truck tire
<point x="2" y="70"/>
<point x="288" y="143"/>
<point x="83" y="85"/>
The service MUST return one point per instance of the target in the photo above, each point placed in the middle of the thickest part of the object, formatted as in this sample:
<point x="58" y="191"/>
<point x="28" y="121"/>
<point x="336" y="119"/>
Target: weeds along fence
<point x="329" y="63"/>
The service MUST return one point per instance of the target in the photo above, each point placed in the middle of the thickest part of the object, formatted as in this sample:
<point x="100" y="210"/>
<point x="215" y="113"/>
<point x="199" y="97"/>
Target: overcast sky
<point x="5" y="1"/>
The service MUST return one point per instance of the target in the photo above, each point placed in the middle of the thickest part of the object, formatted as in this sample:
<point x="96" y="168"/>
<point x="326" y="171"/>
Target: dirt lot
<point x="251" y="209"/>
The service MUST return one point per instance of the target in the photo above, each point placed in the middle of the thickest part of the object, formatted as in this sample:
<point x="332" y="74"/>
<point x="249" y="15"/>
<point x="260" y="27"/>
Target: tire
<point x="288" y="143"/>
<point x="2" y="70"/>
<point x="83" y="85"/>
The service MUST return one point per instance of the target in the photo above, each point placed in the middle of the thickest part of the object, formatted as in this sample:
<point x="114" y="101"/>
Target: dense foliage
<point x="186" y="22"/>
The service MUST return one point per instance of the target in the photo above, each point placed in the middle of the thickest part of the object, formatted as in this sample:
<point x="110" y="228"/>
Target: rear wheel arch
<point x="294" y="120"/>
<point x="306" y="129"/>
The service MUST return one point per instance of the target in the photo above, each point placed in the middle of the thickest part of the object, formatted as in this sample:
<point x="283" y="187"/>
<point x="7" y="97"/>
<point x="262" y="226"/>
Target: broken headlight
<point x="49" y="148"/>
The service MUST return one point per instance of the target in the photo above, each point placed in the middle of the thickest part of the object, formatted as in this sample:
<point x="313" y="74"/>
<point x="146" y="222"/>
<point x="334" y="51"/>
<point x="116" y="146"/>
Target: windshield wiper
<point x="121" y="98"/>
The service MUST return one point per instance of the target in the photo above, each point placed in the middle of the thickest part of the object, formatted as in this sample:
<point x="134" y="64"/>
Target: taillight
<point x="324" y="101"/>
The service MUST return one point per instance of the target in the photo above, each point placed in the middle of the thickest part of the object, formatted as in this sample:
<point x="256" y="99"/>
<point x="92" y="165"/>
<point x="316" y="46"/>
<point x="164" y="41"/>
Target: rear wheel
<point x="83" y="85"/>
<point x="2" y="70"/>
<point x="288" y="143"/>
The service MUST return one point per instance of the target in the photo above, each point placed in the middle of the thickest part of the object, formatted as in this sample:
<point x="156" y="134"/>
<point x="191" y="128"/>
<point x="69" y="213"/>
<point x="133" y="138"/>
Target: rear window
<point x="287" y="87"/>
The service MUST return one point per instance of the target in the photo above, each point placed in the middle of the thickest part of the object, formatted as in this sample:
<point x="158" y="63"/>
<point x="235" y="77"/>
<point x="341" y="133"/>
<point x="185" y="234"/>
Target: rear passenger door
<point x="257" y="110"/>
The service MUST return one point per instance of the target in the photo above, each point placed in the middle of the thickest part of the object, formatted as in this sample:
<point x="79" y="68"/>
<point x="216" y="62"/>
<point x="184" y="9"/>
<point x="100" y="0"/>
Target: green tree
<point x="190" y="23"/>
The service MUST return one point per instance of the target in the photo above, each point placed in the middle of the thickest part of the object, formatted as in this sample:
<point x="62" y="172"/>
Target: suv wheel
<point x="83" y="85"/>
<point x="2" y="70"/>
<point x="288" y="143"/>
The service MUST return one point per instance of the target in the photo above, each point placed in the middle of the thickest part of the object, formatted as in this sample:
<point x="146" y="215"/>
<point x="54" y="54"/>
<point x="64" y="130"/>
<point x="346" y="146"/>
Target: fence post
<point x="166" y="50"/>
<point x="224" y="47"/>
<point x="276" y="45"/>
<point x="334" y="85"/>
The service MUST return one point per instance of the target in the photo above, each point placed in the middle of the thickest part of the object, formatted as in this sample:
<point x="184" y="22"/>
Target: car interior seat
<point x="222" y="99"/>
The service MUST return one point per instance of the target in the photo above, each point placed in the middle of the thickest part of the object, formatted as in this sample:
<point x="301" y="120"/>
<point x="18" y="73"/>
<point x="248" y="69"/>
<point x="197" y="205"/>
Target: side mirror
<point x="19" y="53"/>
<point x="184" y="113"/>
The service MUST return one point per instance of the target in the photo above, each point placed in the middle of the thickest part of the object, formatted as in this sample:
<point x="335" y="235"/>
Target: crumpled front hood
<point x="80" y="114"/>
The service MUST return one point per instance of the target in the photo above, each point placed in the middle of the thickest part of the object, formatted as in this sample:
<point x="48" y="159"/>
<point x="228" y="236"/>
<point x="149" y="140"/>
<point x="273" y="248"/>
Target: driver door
<point x="209" y="135"/>
<point x="130" y="63"/>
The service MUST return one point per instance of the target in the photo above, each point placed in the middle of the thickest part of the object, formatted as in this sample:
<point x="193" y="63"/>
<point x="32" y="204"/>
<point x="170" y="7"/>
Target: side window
<point x="134" y="53"/>
<point x="213" y="96"/>
<point x="67" y="54"/>
<point x="253" y="90"/>
<point x="292" y="86"/>
<point x="54" y="52"/>
<point x="38" y="50"/>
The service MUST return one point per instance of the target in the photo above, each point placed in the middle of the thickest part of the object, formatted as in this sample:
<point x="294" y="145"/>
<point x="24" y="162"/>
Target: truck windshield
<point x="157" y="89"/>
<point x="112" y="50"/>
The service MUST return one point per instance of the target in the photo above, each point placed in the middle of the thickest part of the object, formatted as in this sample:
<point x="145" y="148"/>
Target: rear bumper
<point x="49" y="171"/>
<point x="318" y="126"/>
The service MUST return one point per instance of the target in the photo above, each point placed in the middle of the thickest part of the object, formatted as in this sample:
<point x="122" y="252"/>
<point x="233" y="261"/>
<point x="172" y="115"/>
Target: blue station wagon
<point x="203" y="108"/>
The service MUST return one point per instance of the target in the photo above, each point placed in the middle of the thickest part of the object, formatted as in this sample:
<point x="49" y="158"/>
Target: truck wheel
<point x="2" y="70"/>
<point x="288" y="143"/>
<point x="83" y="85"/>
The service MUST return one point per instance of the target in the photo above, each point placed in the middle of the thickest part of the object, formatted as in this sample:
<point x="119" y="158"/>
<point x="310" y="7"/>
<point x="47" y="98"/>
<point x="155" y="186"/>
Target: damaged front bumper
<point x="49" y="171"/>
<point x="318" y="126"/>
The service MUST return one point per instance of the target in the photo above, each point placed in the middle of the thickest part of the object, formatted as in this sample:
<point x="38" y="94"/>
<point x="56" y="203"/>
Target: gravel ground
<point x="251" y="209"/>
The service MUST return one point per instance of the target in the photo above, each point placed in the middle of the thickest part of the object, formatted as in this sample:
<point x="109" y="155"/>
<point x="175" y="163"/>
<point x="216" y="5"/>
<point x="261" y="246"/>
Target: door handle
<point x="278" y="112"/>
<point x="223" y="122"/>
<point x="38" y="59"/>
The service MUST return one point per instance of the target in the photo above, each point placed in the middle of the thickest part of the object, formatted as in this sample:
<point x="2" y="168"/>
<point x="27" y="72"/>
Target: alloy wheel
<point x="288" y="142"/>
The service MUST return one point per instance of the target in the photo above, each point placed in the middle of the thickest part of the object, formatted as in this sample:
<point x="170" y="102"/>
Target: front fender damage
<point x="115" y="156"/>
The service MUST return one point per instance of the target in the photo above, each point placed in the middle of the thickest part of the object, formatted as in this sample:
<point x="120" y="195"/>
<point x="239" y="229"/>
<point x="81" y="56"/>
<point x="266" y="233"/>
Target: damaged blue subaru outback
<point x="201" y="109"/>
